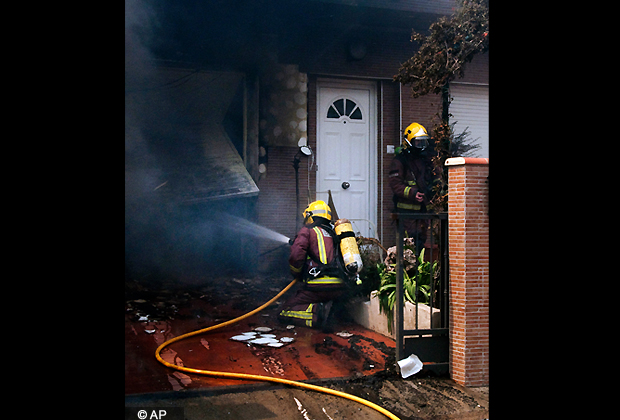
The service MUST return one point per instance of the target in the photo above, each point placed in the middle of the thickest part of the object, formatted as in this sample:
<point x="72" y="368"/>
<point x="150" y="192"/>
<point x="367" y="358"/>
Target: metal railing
<point x="433" y="348"/>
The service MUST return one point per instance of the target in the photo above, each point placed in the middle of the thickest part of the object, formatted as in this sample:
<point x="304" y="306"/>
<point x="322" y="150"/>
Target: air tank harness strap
<point x="348" y="234"/>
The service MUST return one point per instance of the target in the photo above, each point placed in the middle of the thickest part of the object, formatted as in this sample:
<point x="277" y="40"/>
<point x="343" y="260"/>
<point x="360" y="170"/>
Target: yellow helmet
<point x="415" y="136"/>
<point x="319" y="209"/>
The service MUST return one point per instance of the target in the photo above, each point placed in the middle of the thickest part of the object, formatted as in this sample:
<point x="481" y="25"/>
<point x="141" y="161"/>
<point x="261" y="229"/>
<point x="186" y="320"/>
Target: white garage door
<point x="470" y="108"/>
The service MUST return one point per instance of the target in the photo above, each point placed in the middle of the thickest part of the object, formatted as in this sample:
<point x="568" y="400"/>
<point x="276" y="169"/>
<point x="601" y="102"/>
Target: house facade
<point x="242" y="85"/>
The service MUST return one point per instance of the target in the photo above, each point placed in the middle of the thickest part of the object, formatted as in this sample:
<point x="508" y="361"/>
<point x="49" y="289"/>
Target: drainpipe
<point x="296" y="161"/>
<point x="400" y="108"/>
<point x="381" y="157"/>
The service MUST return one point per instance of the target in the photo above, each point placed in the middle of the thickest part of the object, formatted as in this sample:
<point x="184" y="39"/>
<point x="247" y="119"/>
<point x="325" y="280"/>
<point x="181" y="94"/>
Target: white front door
<point x="346" y="151"/>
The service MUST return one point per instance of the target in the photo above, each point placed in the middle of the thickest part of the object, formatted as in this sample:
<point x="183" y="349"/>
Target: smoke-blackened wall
<point x="182" y="163"/>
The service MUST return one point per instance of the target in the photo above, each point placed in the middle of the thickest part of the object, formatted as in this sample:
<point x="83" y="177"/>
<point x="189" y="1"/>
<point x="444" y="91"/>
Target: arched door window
<point x="344" y="107"/>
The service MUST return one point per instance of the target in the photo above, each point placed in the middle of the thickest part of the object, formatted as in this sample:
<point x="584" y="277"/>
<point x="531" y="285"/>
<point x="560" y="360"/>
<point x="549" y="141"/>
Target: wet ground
<point x="350" y="358"/>
<point x="154" y="315"/>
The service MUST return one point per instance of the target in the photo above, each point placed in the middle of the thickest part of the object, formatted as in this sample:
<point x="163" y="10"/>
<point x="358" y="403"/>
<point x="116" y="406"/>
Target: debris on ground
<point x="420" y="399"/>
<point x="205" y="343"/>
<point x="410" y="366"/>
<point x="262" y="329"/>
<point x="262" y="339"/>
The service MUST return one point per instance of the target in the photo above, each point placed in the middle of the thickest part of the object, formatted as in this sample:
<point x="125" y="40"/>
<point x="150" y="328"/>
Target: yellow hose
<point x="231" y="375"/>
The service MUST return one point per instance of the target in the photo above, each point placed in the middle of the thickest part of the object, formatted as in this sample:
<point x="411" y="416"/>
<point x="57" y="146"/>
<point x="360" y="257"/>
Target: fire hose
<point x="232" y="375"/>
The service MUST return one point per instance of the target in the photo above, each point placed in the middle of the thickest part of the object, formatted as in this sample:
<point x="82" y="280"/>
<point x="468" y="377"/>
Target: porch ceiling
<point x="239" y="36"/>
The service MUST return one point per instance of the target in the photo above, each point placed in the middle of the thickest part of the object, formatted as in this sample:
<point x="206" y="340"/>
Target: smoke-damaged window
<point x="344" y="107"/>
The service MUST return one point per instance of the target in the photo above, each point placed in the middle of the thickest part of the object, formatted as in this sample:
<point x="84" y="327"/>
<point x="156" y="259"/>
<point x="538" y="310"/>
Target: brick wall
<point x="327" y="58"/>
<point x="391" y="136"/>
<point x="469" y="270"/>
<point x="277" y="205"/>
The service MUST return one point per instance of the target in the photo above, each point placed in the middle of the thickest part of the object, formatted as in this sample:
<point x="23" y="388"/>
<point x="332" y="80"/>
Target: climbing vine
<point x="453" y="41"/>
<point x="447" y="144"/>
<point x="441" y="57"/>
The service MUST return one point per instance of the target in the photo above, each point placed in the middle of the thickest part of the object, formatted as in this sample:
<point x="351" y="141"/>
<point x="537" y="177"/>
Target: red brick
<point x="469" y="261"/>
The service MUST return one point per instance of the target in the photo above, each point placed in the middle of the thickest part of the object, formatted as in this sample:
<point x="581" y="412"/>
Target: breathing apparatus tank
<point x="348" y="247"/>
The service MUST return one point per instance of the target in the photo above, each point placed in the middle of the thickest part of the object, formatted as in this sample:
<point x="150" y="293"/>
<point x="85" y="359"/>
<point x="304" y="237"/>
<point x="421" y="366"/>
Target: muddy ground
<point x="422" y="396"/>
<point x="419" y="398"/>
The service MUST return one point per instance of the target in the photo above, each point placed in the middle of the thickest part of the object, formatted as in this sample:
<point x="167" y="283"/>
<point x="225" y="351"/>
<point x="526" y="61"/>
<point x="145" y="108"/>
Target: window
<point x="470" y="109"/>
<point x="344" y="107"/>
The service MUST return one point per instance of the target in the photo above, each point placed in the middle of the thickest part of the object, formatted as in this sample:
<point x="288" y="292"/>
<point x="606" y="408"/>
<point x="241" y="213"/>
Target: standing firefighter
<point x="411" y="179"/>
<point x="316" y="261"/>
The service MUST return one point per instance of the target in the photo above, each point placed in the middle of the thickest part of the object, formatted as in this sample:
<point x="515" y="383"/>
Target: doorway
<point x="347" y="151"/>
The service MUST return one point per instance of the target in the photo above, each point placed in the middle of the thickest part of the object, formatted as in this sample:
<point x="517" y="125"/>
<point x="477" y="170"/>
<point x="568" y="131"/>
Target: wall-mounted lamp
<point x="304" y="150"/>
<point x="303" y="146"/>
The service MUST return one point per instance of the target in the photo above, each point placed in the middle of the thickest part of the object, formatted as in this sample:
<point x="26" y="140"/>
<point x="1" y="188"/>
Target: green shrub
<point x="420" y="276"/>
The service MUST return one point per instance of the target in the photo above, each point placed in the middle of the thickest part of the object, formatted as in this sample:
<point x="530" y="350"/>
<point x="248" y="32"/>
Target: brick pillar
<point x="469" y="270"/>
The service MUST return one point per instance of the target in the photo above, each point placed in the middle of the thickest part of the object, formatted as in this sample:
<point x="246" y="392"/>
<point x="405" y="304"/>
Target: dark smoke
<point x="163" y="237"/>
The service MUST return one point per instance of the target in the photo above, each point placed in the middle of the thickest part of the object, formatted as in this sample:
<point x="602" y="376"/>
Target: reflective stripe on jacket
<point x="408" y="176"/>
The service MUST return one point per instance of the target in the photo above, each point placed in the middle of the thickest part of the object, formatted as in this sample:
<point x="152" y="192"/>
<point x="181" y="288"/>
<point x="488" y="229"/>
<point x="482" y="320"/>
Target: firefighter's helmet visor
<point x="420" y="142"/>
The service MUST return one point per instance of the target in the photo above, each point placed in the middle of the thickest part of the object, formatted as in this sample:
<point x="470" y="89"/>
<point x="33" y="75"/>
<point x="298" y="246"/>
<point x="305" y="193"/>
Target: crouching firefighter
<point x="316" y="260"/>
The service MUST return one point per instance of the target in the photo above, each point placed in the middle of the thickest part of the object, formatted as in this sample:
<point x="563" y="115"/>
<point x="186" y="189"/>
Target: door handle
<point x="345" y="185"/>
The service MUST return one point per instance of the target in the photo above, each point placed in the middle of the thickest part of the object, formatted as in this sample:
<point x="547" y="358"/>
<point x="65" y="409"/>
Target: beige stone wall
<point x="284" y="106"/>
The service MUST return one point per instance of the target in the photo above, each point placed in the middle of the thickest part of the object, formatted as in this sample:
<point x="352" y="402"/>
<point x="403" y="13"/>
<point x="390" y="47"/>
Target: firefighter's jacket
<point x="312" y="247"/>
<point x="410" y="174"/>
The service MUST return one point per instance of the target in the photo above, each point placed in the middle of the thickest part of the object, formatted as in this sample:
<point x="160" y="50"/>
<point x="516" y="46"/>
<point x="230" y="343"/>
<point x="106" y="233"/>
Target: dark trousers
<point x="302" y="308"/>
<point x="417" y="229"/>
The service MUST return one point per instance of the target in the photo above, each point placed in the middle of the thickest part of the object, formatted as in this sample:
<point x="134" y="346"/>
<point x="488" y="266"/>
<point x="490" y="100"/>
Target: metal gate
<point x="427" y="340"/>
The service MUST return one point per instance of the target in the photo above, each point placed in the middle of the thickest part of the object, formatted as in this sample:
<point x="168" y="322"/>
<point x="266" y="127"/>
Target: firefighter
<point x="411" y="179"/>
<point x="313" y="261"/>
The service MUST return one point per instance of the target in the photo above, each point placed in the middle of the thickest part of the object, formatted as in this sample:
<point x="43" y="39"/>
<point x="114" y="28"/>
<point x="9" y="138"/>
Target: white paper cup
<point x="410" y="366"/>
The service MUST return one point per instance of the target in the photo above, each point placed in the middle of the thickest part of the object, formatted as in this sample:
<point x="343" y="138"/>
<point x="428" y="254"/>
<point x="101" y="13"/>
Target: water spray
<point x="244" y="226"/>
